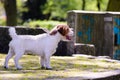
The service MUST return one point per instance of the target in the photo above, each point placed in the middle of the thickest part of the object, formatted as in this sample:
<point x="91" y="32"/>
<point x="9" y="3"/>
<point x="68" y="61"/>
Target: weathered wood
<point x="96" y="28"/>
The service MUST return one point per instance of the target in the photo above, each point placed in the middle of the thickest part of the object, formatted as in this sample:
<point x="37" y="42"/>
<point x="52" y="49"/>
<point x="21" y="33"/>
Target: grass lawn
<point x="63" y="67"/>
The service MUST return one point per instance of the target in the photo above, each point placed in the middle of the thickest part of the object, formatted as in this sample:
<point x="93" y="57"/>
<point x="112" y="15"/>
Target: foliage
<point x="114" y="5"/>
<point x="55" y="9"/>
<point x="104" y="4"/>
<point x="20" y="9"/>
<point x="60" y="11"/>
<point x="91" y="5"/>
<point x="58" y="8"/>
<point x="63" y="67"/>
<point x="44" y="24"/>
<point x="2" y="15"/>
<point x="2" y="21"/>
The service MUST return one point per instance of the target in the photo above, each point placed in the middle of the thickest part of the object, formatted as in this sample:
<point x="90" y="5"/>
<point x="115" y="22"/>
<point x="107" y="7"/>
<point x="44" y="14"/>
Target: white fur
<point x="44" y="45"/>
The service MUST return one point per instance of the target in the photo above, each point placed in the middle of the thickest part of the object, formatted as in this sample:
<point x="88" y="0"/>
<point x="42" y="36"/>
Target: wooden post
<point x="108" y="41"/>
<point x="116" y="25"/>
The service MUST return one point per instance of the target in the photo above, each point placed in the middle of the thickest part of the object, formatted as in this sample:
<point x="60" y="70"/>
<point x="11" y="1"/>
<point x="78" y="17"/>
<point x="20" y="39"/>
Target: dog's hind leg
<point x="18" y="55"/>
<point x="10" y="55"/>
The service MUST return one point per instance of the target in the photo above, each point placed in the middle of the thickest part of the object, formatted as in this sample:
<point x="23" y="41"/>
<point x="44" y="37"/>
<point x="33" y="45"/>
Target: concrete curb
<point x="110" y="75"/>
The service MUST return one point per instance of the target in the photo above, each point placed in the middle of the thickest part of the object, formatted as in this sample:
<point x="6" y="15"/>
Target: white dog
<point x="44" y="45"/>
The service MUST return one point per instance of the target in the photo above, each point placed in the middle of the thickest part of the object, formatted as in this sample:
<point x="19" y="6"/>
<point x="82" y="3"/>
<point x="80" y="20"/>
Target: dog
<point x="43" y="45"/>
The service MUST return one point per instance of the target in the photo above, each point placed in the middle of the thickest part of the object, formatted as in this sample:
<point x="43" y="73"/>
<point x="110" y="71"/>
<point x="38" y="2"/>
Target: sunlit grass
<point x="62" y="67"/>
<point x="43" y="24"/>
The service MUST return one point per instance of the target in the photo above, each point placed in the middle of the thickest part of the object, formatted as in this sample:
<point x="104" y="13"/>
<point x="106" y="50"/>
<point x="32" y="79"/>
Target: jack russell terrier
<point x="43" y="45"/>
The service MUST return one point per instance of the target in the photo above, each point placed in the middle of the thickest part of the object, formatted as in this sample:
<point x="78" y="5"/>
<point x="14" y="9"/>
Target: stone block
<point x="65" y="49"/>
<point x="88" y="49"/>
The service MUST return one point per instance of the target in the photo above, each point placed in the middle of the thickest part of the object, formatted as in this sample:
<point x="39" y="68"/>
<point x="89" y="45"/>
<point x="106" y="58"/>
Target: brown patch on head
<point x="63" y="29"/>
<point x="53" y="32"/>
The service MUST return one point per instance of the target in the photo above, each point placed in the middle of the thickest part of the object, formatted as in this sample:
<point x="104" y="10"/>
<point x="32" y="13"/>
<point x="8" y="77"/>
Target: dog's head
<point x="64" y="30"/>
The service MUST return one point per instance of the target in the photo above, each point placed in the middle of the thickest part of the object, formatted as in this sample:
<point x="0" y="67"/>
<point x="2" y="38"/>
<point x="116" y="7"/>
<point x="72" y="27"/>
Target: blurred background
<point x="47" y="13"/>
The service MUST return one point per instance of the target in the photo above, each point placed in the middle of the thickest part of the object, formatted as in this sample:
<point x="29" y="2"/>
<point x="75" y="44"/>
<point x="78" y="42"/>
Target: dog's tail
<point x="12" y="32"/>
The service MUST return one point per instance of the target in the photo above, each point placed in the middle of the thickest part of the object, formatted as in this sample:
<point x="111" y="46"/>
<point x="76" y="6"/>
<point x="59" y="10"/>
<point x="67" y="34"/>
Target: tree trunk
<point x="98" y="5"/>
<point x="11" y="12"/>
<point x="83" y="5"/>
<point x="113" y="5"/>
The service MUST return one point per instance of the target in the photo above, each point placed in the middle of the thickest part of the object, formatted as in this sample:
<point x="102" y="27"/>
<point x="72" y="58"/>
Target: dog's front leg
<point x="48" y="67"/>
<point x="43" y="62"/>
<point x="47" y="61"/>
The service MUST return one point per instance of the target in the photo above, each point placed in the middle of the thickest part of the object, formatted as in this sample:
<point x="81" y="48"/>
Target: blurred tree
<point x="11" y="12"/>
<point x="113" y="5"/>
<point x="58" y="8"/>
<point x="98" y="5"/>
<point x="34" y="9"/>
<point x="47" y="9"/>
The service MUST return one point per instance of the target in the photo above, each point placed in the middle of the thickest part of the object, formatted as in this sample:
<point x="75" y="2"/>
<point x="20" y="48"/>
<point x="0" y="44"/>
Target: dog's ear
<point x="53" y="32"/>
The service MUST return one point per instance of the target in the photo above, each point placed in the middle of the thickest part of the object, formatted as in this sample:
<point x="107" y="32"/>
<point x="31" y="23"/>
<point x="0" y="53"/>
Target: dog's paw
<point x="49" y="69"/>
<point x="19" y="68"/>
<point x="5" y="67"/>
<point x="43" y="67"/>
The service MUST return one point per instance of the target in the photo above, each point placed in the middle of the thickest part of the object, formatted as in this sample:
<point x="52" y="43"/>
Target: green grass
<point x="48" y="24"/>
<point x="63" y="67"/>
